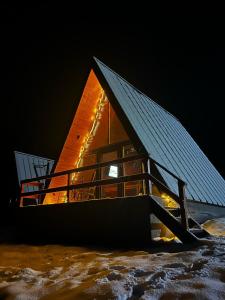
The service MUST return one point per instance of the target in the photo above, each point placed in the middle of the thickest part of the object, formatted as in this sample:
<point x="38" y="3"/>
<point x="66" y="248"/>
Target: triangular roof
<point x="164" y="138"/>
<point x="152" y="129"/>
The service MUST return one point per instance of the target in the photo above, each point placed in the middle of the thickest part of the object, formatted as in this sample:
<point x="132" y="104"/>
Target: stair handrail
<point x="165" y="169"/>
<point x="180" y="198"/>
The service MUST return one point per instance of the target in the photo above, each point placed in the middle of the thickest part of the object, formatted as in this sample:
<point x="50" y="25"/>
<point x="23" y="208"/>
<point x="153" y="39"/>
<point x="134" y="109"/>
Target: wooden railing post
<point x="68" y="191"/>
<point x="148" y="184"/>
<point x="183" y="204"/>
<point x="121" y="186"/>
<point x="98" y="189"/>
<point x="21" y="198"/>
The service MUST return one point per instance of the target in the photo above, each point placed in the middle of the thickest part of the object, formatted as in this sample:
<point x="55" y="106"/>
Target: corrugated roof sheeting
<point x="25" y="165"/>
<point x="167" y="141"/>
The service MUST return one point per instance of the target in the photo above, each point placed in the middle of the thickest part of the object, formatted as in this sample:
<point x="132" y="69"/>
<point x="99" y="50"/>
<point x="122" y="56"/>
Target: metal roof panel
<point x="167" y="141"/>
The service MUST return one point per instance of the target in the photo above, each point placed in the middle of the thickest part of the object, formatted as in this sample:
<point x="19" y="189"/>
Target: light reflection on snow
<point x="215" y="227"/>
<point x="56" y="272"/>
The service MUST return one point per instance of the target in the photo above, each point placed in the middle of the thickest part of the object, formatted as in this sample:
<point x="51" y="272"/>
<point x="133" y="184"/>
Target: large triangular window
<point x="96" y="135"/>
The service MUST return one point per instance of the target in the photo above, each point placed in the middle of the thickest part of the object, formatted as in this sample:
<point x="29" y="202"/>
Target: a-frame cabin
<point x="127" y="151"/>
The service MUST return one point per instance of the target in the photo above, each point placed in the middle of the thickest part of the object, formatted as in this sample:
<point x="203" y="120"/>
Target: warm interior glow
<point x="77" y="137"/>
<point x="168" y="201"/>
<point x="95" y="125"/>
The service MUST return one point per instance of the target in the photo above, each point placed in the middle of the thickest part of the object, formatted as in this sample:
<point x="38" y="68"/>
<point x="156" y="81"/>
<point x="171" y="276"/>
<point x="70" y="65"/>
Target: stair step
<point x="171" y="222"/>
<point x="199" y="232"/>
<point x="191" y="223"/>
<point x="174" y="211"/>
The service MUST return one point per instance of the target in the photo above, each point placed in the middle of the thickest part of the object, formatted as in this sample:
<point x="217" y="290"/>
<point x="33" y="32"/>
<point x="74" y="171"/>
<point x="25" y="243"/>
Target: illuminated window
<point x="113" y="171"/>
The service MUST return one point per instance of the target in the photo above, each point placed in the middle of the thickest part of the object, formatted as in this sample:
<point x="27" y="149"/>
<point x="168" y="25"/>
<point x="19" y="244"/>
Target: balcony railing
<point x="145" y="176"/>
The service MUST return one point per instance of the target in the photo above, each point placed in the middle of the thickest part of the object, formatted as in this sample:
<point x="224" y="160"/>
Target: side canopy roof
<point x="162" y="136"/>
<point x="31" y="166"/>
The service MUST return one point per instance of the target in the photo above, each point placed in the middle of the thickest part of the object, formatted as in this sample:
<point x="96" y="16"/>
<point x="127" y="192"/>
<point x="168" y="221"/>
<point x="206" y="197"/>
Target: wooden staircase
<point x="171" y="218"/>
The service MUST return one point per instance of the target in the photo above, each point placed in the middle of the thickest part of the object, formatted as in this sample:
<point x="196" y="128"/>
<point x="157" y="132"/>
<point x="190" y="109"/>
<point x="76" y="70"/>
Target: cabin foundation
<point x="115" y="221"/>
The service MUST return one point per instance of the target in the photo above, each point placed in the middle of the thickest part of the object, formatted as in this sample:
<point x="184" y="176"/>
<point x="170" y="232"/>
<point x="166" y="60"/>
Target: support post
<point x="98" y="189"/>
<point x="148" y="184"/>
<point x="183" y="204"/>
<point x="121" y="186"/>
<point x="68" y="191"/>
<point x="21" y="198"/>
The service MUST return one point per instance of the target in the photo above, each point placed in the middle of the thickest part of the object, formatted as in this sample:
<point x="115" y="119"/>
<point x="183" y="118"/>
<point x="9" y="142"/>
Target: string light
<point x="98" y="111"/>
<point x="97" y="115"/>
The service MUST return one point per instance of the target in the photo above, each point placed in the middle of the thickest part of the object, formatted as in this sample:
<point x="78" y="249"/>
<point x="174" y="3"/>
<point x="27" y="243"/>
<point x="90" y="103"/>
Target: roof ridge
<point x="97" y="60"/>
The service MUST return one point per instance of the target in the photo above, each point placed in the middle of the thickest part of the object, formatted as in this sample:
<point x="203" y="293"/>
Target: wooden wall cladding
<point x="81" y="125"/>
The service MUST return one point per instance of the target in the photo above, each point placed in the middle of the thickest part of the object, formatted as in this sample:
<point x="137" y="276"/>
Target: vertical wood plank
<point x="68" y="191"/>
<point x="121" y="188"/>
<point x="148" y="184"/>
<point x="183" y="205"/>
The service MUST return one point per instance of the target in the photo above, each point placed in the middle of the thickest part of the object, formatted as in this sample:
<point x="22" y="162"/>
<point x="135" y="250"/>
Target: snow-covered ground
<point x="59" y="272"/>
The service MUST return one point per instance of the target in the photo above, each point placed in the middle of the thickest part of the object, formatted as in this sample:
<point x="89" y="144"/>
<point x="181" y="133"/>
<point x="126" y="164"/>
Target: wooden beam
<point x="148" y="186"/>
<point x="164" y="188"/>
<point x="95" y="166"/>
<point x="88" y="184"/>
<point x="183" y="205"/>
<point x="121" y="187"/>
<point x="68" y="191"/>
<point x="171" y="222"/>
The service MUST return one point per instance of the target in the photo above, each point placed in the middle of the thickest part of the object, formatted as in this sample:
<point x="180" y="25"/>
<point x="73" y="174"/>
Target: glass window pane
<point x="109" y="172"/>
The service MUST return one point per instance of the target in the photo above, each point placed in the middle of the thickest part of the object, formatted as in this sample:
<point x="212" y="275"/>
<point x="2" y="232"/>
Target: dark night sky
<point x="46" y="55"/>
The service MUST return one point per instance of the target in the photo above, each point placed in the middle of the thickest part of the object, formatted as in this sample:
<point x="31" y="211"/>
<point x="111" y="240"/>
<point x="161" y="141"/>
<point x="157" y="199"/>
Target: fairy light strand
<point x="90" y="136"/>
